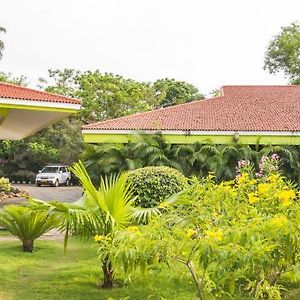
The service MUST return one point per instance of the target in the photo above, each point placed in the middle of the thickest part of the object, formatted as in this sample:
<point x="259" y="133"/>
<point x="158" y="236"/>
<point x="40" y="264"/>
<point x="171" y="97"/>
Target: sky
<point x="208" y="43"/>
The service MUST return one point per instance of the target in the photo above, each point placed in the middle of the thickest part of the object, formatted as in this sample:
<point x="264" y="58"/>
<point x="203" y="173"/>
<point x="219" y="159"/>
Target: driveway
<point x="46" y="193"/>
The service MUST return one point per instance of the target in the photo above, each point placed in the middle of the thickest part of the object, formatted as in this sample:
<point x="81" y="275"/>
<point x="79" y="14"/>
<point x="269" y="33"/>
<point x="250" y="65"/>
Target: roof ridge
<point x="38" y="91"/>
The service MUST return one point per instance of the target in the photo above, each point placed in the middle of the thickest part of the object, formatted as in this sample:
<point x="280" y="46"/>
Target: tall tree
<point x="283" y="53"/>
<point x="170" y="92"/>
<point x="2" y="29"/>
<point x="107" y="96"/>
<point x="9" y="78"/>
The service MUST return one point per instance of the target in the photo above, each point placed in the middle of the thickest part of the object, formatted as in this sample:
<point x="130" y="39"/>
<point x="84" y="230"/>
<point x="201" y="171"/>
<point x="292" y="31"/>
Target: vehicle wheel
<point x="68" y="182"/>
<point x="56" y="184"/>
<point x="38" y="184"/>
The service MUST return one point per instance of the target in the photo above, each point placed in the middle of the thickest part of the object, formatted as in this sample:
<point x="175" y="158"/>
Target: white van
<point x="54" y="175"/>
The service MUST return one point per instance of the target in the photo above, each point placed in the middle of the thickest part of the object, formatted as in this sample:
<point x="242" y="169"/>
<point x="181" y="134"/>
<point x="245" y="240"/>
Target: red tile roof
<point x="239" y="108"/>
<point x="12" y="91"/>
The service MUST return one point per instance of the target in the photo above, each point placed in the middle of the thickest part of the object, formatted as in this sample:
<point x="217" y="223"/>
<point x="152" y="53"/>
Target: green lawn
<point x="50" y="274"/>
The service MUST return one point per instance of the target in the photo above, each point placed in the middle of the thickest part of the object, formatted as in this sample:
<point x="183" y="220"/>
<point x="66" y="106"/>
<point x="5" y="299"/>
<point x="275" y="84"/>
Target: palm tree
<point x="26" y="224"/>
<point x="2" y="29"/>
<point x="101" y="212"/>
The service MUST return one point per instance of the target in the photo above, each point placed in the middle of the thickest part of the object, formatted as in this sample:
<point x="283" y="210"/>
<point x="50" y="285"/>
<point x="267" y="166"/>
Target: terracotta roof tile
<point x="240" y="108"/>
<point x="12" y="91"/>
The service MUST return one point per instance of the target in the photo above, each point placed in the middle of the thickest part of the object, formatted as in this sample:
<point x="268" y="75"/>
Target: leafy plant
<point x="100" y="213"/>
<point x="5" y="186"/>
<point x="235" y="238"/>
<point x="153" y="185"/>
<point x="27" y="225"/>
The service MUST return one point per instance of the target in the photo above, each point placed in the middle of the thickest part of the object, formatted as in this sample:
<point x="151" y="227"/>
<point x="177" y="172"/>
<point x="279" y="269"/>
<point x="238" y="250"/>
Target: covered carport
<point x="24" y="111"/>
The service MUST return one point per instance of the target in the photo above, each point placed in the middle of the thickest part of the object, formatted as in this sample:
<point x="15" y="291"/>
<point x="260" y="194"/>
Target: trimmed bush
<point x="153" y="185"/>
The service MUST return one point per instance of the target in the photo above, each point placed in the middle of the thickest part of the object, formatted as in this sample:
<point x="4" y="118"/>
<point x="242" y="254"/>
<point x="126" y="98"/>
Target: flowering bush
<point x="235" y="238"/>
<point x="5" y="186"/>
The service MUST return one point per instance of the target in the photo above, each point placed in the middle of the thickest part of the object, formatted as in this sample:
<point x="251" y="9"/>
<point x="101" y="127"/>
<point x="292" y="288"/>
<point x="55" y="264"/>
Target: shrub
<point x="5" y="185"/>
<point x="236" y="238"/>
<point x="153" y="185"/>
<point x="26" y="224"/>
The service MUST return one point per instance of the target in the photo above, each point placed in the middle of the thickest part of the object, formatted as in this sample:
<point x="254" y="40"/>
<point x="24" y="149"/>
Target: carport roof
<point x="24" y="111"/>
<point x="12" y="91"/>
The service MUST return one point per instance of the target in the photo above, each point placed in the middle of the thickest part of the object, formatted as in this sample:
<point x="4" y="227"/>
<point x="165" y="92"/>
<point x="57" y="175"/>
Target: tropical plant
<point x="190" y="159"/>
<point x="235" y="238"/>
<point x="27" y="225"/>
<point x="98" y="214"/>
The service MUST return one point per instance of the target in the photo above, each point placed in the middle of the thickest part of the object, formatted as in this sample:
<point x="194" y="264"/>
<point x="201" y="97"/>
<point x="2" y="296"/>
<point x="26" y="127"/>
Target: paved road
<point x="62" y="193"/>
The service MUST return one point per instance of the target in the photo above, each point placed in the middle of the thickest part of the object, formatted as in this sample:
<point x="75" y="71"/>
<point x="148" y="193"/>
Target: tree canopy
<point x="2" y="29"/>
<point x="171" y="92"/>
<point x="283" y="53"/>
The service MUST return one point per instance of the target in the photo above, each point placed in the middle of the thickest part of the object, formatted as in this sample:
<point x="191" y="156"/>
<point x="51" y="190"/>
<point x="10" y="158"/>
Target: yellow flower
<point x="98" y="238"/>
<point x="217" y="235"/>
<point x="252" y="198"/>
<point x="273" y="178"/>
<point x="133" y="229"/>
<point x="190" y="233"/>
<point x="279" y="221"/>
<point x="263" y="188"/>
<point x="227" y="188"/>
<point x="252" y="182"/>
<point x="243" y="178"/>
<point x="286" y="197"/>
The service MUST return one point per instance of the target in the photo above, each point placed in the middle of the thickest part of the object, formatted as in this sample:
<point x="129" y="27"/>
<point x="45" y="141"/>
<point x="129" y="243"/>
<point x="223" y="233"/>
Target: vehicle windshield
<point x="50" y="170"/>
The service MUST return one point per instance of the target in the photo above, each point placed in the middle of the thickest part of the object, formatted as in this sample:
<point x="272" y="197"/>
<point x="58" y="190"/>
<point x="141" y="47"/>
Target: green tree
<point x="107" y="96"/>
<point x="171" y="92"/>
<point x="2" y="29"/>
<point x="283" y="53"/>
<point x="63" y="82"/>
<point x="9" y="78"/>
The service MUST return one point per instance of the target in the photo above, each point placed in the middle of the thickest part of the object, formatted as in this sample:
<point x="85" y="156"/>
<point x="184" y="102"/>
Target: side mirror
<point x="40" y="171"/>
<point x="60" y="172"/>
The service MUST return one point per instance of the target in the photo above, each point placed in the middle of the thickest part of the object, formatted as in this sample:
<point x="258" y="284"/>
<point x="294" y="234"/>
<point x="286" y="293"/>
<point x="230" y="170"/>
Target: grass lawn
<point x="50" y="274"/>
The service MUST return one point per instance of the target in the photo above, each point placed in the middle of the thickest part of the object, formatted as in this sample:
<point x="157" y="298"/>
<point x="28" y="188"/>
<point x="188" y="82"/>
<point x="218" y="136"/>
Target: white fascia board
<point x="37" y="103"/>
<point x="179" y="132"/>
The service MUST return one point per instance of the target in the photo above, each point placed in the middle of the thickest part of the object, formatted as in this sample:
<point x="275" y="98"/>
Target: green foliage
<point x="5" y="186"/>
<point x="107" y="96"/>
<point x="153" y="185"/>
<point x="27" y="225"/>
<point x="170" y="92"/>
<point x="100" y="211"/>
<point x="283" y="53"/>
<point x="192" y="160"/>
<point x="235" y="238"/>
<point x="9" y="78"/>
<point x="2" y="29"/>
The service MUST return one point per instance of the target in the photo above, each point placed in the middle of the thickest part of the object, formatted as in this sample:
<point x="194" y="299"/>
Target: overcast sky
<point x="208" y="43"/>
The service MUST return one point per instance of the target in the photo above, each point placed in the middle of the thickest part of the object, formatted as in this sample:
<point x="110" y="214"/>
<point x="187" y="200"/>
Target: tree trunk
<point x="28" y="246"/>
<point x="108" y="273"/>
